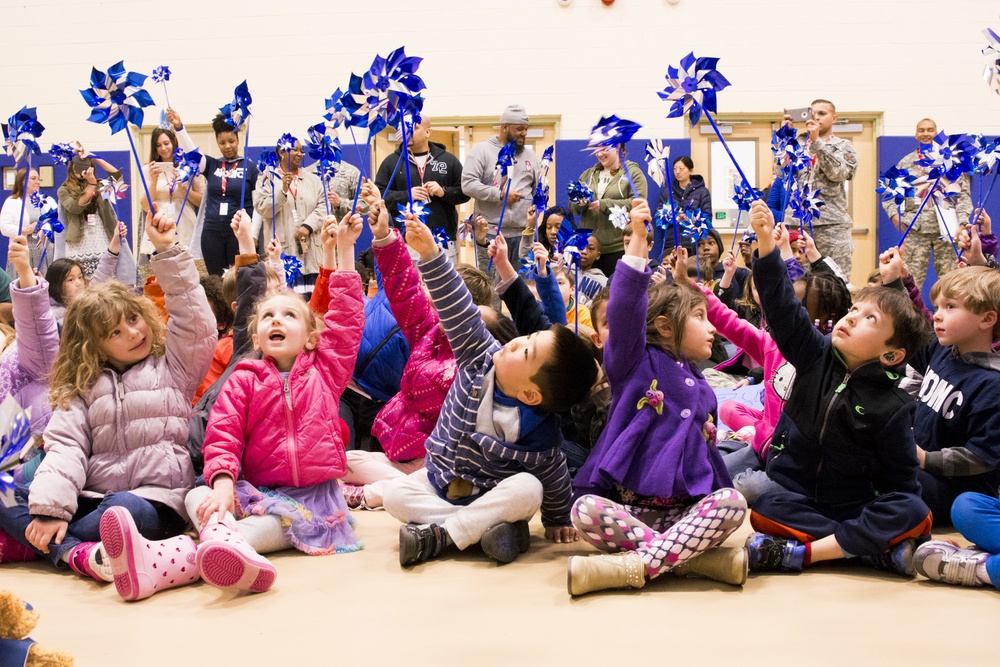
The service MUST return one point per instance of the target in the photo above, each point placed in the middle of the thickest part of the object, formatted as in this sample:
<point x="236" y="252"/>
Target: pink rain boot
<point x="226" y="560"/>
<point x="142" y="567"/>
<point x="12" y="551"/>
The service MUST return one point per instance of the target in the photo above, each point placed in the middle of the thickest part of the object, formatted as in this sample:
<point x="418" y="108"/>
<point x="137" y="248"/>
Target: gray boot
<point x="726" y="564"/>
<point x="597" y="573"/>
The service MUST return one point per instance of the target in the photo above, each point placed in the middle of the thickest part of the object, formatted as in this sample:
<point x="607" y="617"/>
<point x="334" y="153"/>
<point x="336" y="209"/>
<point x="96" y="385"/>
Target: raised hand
<point x="161" y="231"/>
<point x="378" y="220"/>
<point x="419" y="237"/>
<point x="19" y="257"/>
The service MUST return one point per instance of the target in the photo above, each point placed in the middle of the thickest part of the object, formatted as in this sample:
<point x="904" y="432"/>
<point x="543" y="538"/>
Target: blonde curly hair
<point x="89" y="321"/>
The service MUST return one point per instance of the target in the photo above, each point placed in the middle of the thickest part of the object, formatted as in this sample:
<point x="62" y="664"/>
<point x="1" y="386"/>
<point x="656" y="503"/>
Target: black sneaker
<point x="523" y="535"/>
<point x="899" y="559"/>
<point x="503" y="542"/>
<point x="769" y="553"/>
<point x="417" y="544"/>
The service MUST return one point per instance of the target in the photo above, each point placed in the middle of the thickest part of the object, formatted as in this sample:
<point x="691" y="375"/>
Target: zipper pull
<point x="843" y="383"/>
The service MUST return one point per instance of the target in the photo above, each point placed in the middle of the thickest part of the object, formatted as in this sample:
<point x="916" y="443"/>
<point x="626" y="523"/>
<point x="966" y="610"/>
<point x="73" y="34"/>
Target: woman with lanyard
<point x="167" y="193"/>
<point x="299" y="211"/>
<point x="222" y="191"/>
<point x="11" y="221"/>
<point x="611" y="187"/>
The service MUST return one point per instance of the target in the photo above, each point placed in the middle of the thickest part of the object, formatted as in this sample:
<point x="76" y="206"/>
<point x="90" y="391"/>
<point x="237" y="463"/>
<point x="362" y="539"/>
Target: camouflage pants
<point x="917" y="251"/>
<point x="834" y="241"/>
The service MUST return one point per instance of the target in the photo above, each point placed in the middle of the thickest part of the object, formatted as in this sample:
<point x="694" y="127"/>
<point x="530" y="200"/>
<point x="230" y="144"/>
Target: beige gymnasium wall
<point x="907" y="59"/>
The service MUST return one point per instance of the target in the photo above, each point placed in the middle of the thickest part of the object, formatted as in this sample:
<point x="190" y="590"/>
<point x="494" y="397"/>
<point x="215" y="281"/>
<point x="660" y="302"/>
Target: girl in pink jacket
<point x="116" y="444"/>
<point x="273" y="448"/>
<point x="403" y="424"/>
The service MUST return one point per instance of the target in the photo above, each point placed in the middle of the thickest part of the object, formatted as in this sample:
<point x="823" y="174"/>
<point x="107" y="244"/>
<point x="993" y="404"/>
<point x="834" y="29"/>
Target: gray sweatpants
<point x="412" y="499"/>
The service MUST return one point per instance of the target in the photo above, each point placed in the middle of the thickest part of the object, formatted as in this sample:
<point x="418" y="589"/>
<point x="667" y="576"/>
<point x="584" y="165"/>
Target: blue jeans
<point x="977" y="517"/>
<point x="155" y="521"/>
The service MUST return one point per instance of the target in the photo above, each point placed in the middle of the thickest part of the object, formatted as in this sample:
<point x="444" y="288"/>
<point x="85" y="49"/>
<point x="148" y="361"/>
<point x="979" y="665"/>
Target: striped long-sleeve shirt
<point x="455" y="449"/>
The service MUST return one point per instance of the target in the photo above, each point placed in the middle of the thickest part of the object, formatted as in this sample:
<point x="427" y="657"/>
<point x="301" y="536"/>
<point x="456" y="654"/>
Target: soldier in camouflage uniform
<point x="925" y="236"/>
<point x="834" y="162"/>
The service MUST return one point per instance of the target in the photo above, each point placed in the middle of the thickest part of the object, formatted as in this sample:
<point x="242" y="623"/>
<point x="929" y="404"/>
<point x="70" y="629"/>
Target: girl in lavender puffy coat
<point x="403" y="424"/>
<point x="116" y="466"/>
<point x="273" y="452"/>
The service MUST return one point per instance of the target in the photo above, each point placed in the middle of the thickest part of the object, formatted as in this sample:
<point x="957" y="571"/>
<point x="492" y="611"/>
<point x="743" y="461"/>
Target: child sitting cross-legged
<point x="494" y="456"/>
<point x="654" y="493"/>
<point x="843" y="447"/>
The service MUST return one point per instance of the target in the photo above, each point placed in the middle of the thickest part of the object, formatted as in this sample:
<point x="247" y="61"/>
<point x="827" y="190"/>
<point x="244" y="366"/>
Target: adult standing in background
<point x="90" y="219"/>
<point x="299" y="211"/>
<point x="610" y="185"/>
<point x="160" y="173"/>
<point x="435" y="179"/>
<point x="10" y="217"/>
<point x="925" y="237"/>
<point x="481" y="179"/>
<point x="222" y="191"/>
<point x="834" y="162"/>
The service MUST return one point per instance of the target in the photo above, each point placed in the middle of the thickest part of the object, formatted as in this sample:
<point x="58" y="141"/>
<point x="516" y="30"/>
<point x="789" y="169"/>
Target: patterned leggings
<point x="671" y="537"/>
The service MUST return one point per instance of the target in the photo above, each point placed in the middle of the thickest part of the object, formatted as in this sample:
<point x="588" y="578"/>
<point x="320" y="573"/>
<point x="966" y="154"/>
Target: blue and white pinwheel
<point x="237" y="111"/>
<point x="571" y="257"/>
<point x="267" y="163"/>
<point x="664" y="216"/>
<point x="805" y="204"/>
<point x="618" y="216"/>
<point x="748" y="237"/>
<point x="782" y="139"/>
<point x="987" y="153"/>
<point x="49" y="225"/>
<point x="656" y="158"/>
<point x="417" y="209"/>
<point x="743" y="197"/>
<point x="991" y="74"/>
<point x="293" y="269"/>
<point x="117" y="97"/>
<point x="161" y="74"/>
<point x="62" y="153"/>
<point x="610" y="132"/>
<point x="21" y="133"/>
<point x="692" y="87"/>
<point x="287" y="142"/>
<point x="16" y="443"/>
<point x="441" y="237"/>
<point x="540" y="198"/>
<point x="335" y="113"/>
<point x="546" y="160"/>
<point x="505" y="158"/>
<point x="950" y="156"/>
<point x="579" y="194"/>
<point x="896" y="185"/>
<point x="322" y="147"/>
<point x="697" y="226"/>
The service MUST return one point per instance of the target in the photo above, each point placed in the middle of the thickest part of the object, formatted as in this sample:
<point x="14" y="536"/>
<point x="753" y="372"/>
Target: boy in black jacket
<point x="843" y="447"/>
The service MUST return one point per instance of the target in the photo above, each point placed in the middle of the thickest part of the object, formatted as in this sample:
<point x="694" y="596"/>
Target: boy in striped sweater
<point x="494" y="457"/>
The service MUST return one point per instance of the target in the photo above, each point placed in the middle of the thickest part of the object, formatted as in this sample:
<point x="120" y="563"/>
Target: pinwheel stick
<point x="697" y="263"/>
<point x="673" y="213"/>
<point x="404" y="158"/>
<point x="41" y="260"/>
<point x="736" y="230"/>
<point x="326" y="193"/>
<point x="274" y="223"/>
<point x="142" y="177"/>
<point x="24" y="195"/>
<point x="920" y="210"/>
<point x="983" y="198"/>
<point x="395" y="170"/>
<point x="503" y="209"/>
<point x="732" y="157"/>
<point x="368" y="151"/>
<point x="186" y="193"/>
<point x="958" y="253"/>
<point x="246" y="162"/>
<point x="165" y="95"/>
<point x="538" y="218"/>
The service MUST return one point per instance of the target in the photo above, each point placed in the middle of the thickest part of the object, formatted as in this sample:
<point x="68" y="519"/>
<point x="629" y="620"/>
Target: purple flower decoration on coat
<point x="62" y="153"/>
<point x="950" y="156"/>
<point x="161" y="74"/>
<point x="653" y="398"/>
<point x="579" y="193"/>
<point x="610" y="132"/>
<point x="417" y="209"/>
<point x="116" y="97"/>
<point x="21" y="133"/>
<point x="692" y="87"/>
<point x="237" y="111"/>
<point x="896" y="185"/>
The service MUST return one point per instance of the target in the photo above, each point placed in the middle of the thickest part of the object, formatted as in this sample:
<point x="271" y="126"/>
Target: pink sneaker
<point x="88" y="559"/>
<point x="12" y="551"/>
<point x="142" y="567"/>
<point x="226" y="560"/>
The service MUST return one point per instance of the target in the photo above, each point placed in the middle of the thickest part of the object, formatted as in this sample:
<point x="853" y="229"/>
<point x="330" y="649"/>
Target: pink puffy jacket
<point x="403" y="424"/>
<point x="253" y="432"/>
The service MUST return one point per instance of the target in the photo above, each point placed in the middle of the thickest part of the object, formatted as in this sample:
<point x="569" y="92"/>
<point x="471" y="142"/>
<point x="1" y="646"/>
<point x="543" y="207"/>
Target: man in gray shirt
<point x="482" y="181"/>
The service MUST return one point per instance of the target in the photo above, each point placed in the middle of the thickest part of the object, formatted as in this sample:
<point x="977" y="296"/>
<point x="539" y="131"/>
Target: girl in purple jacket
<point x="654" y="492"/>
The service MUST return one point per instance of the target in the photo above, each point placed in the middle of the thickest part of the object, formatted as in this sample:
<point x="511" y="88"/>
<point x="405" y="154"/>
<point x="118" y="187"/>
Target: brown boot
<point x="726" y="564"/>
<point x="597" y="573"/>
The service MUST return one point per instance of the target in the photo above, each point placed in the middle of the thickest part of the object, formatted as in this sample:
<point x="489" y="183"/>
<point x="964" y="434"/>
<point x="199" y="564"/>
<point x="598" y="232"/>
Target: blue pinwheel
<point x="610" y="133"/>
<point x="656" y="158"/>
<point x="117" y="98"/>
<point x="691" y="89"/>
<point x="287" y="142"/>
<point x="16" y="443"/>
<point x="579" y="194"/>
<point x="571" y="250"/>
<point x="743" y="198"/>
<point x="618" y="216"/>
<point x="440" y="236"/>
<point x="62" y="153"/>
<point x="697" y="227"/>
<point x="267" y="165"/>
<point x="664" y="216"/>
<point x="987" y="154"/>
<point x="781" y="140"/>
<point x="748" y="237"/>
<point x="896" y="185"/>
<point x="327" y="151"/>
<point x="805" y="204"/>
<point x="505" y="160"/>
<point x="540" y="196"/>
<point x="187" y="167"/>
<point x="49" y="224"/>
<point x="949" y="157"/>
<point x="161" y="74"/>
<point x="237" y="111"/>
<point x="417" y="209"/>
<point x="21" y="133"/>
<point x="335" y="113"/>
<point x="293" y="269"/>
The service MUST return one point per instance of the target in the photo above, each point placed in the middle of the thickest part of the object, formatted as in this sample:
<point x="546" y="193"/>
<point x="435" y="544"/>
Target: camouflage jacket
<point x="835" y="161"/>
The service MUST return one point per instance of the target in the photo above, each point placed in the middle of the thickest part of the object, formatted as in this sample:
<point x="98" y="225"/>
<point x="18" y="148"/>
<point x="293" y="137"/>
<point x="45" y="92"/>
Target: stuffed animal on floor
<point x="17" y="620"/>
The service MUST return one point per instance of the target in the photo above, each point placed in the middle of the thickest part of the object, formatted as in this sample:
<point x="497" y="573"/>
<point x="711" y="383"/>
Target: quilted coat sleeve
<point x="225" y="435"/>
<point x="337" y="351"/>
<point x="63" y="472"/>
